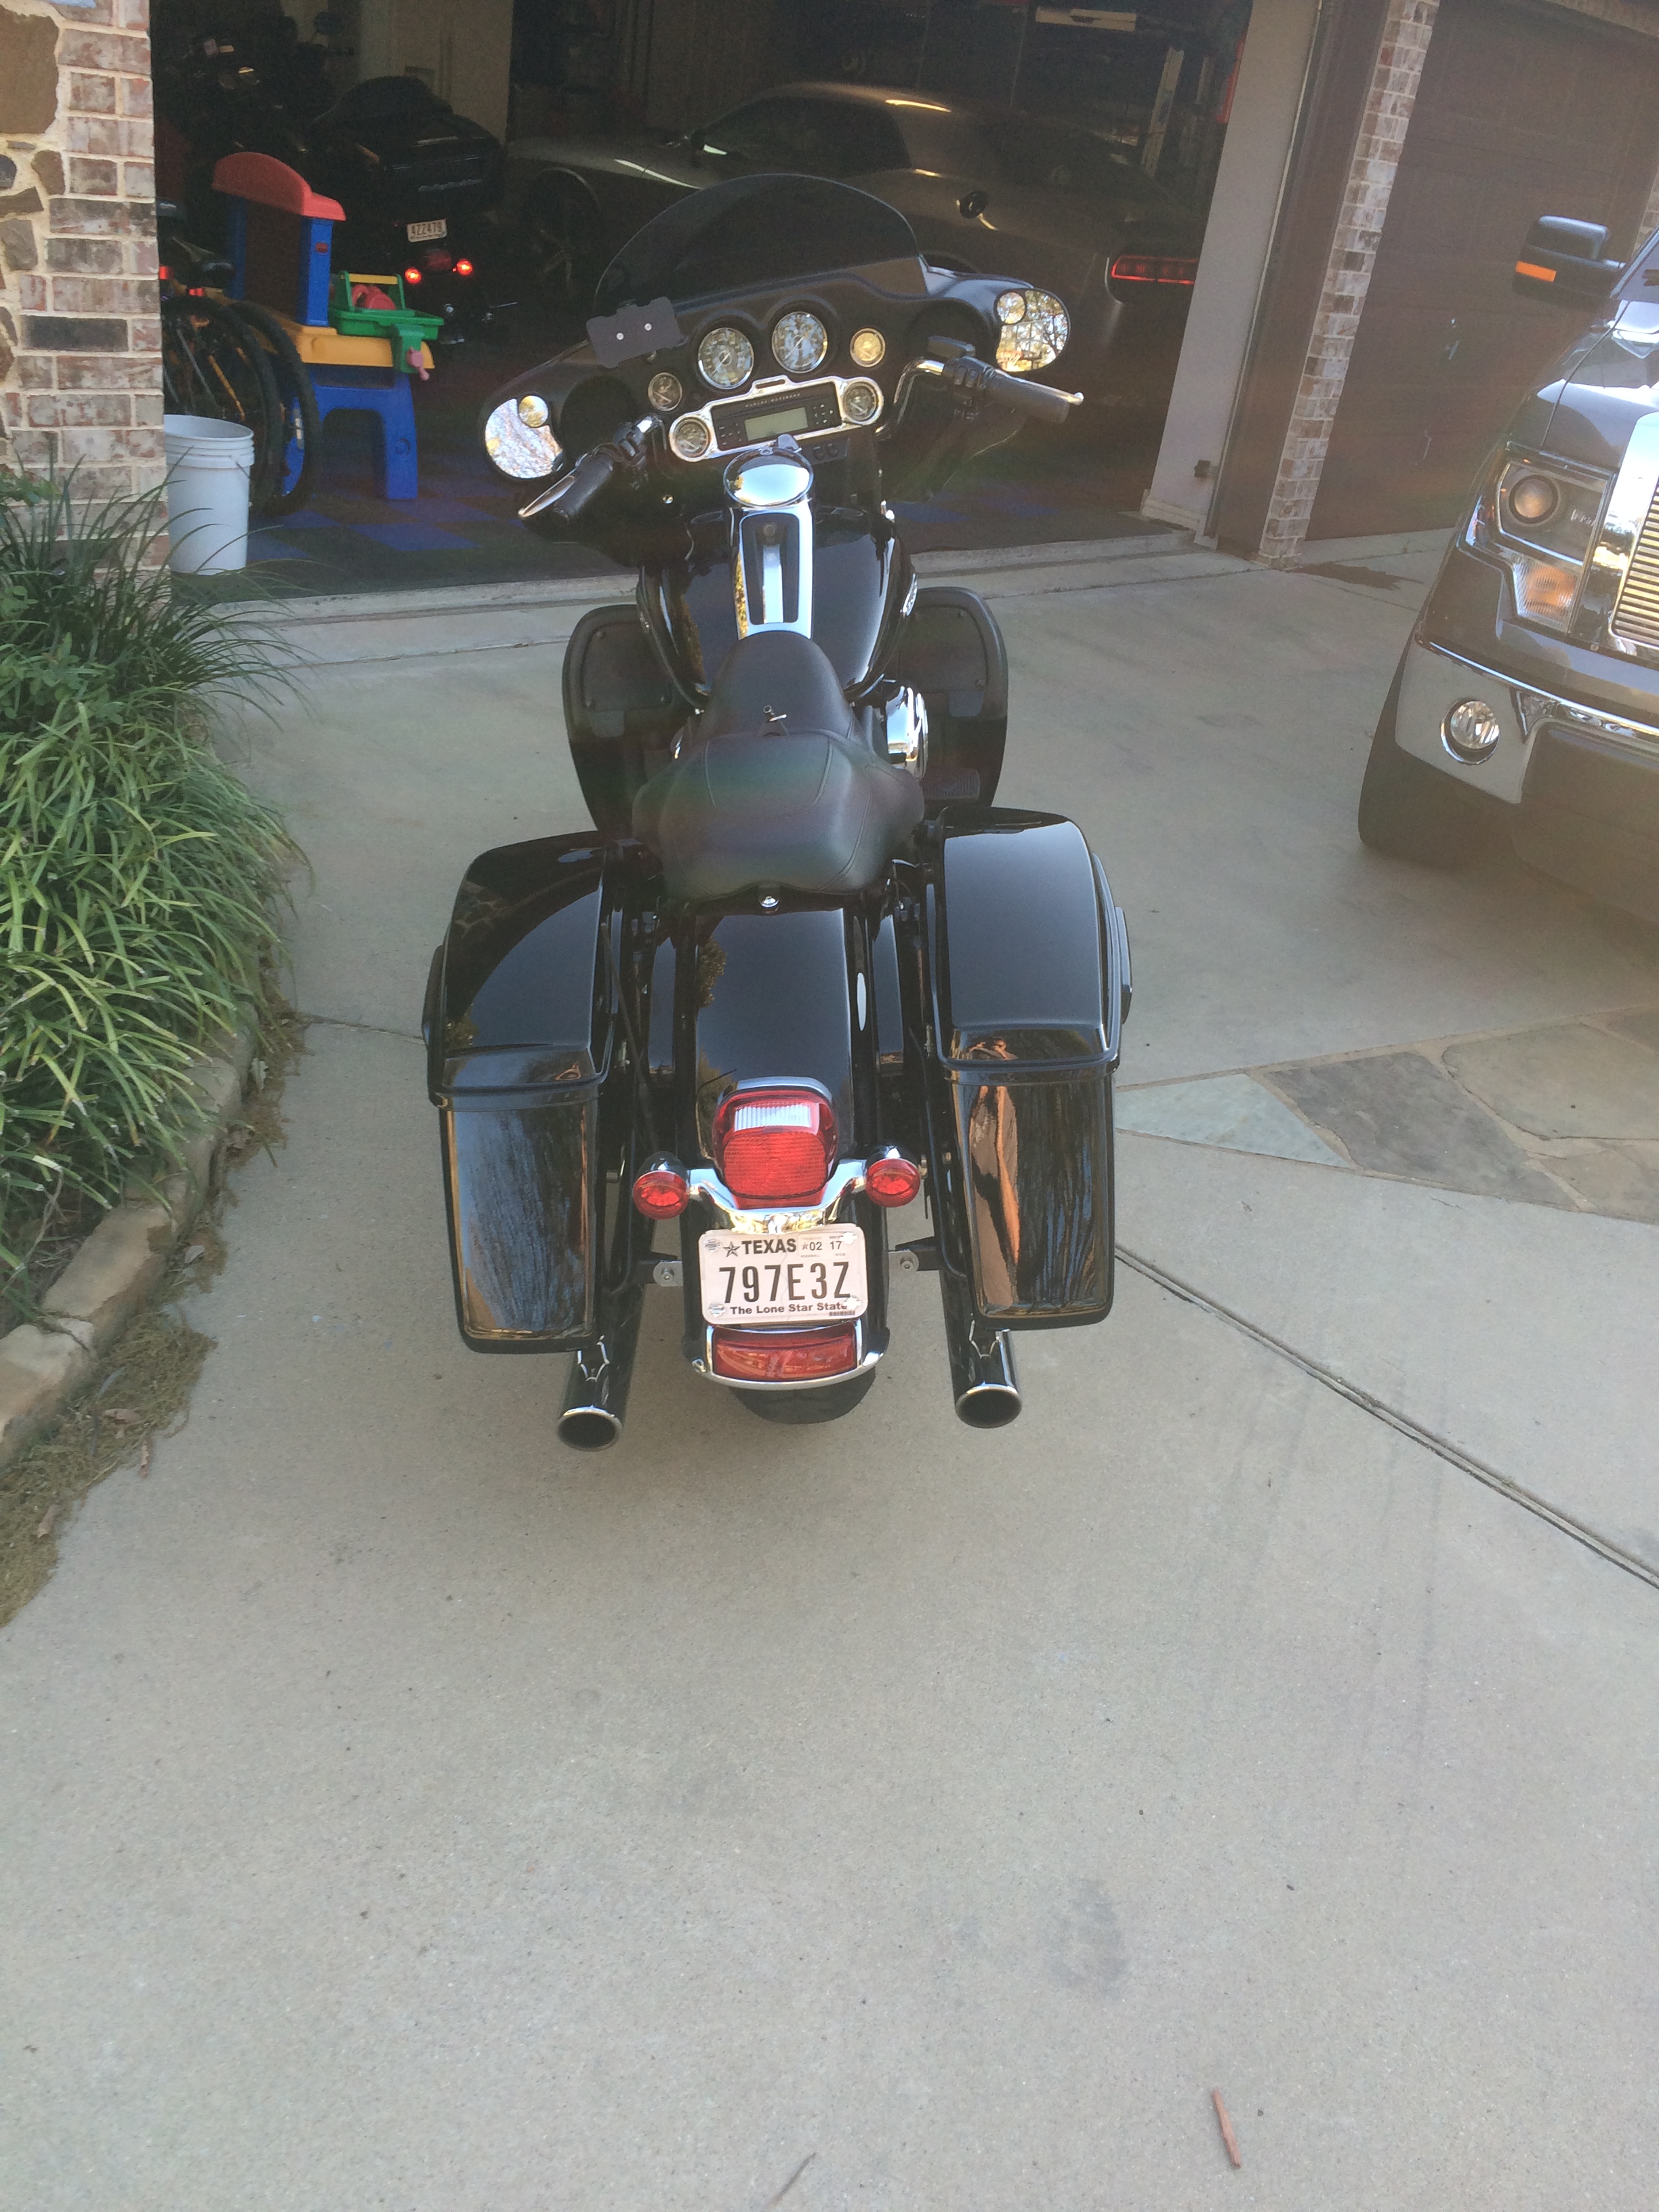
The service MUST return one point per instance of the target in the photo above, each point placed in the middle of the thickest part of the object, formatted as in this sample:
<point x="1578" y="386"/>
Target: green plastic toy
<point x="407" y="330"/>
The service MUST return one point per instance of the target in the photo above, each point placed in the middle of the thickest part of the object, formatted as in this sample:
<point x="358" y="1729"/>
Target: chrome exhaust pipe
<point x="596" y="1397"/>
<point x="983" y="1383"/>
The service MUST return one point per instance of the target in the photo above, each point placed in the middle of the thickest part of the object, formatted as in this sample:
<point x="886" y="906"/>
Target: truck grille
<point x="1636" y="615"/>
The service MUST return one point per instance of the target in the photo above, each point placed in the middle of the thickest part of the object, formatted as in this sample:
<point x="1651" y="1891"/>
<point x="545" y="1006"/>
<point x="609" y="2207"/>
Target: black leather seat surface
<point x="776" y="786"/>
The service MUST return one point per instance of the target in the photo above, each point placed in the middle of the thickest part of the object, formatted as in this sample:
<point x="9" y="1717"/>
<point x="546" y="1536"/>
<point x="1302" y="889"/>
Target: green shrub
<point x="138" y="877"/>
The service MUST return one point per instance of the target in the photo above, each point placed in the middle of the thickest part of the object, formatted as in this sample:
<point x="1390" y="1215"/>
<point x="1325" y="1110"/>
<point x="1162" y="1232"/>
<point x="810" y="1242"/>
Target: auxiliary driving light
<point x="1471" y="730"/>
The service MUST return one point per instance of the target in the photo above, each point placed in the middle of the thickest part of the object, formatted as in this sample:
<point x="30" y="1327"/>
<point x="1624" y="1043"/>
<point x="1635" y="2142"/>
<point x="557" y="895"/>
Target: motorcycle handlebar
<point x="572" y="496"/>
<point x="1044" y="403"/>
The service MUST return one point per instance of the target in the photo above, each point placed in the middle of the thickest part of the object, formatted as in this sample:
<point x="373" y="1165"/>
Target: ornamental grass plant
<point x="139" y="878"/>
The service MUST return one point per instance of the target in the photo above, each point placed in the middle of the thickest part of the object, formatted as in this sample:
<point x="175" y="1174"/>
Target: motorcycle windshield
<point x="752" y="232"/>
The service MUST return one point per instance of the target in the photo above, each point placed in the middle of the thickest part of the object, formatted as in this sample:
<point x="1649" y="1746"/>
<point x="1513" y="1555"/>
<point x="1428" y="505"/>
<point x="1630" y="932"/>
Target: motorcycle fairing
<point x="1025" y="988"/>
<point x="518" y="1031"/>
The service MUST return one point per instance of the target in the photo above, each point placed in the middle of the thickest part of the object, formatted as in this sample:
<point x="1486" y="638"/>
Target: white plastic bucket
<point x="209" y="468"/>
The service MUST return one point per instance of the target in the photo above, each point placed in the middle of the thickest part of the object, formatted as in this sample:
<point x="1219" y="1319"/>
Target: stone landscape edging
<point x="114" y="1270"/>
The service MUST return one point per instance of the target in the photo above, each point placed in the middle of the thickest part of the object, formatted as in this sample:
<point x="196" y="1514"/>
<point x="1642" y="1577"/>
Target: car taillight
<point x="411" y="276"/>
<point x="774" y="1145"/>
<point x="462" y="268"/>
<point x="785" y="1355"/>
<point x="661" y="1192"/>
<point x="164" y="272"/>
<point x="1154" y="269"/>
<point x="891" y="1180"/>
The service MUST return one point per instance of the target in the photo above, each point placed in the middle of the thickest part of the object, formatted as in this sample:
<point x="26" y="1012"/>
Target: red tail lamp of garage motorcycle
<point x="774" y="1143"/>
<point x="785" y="1355"/>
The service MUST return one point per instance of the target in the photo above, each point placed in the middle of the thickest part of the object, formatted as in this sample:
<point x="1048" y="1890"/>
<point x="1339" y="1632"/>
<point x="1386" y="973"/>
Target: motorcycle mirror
<point x="973" y="202"/>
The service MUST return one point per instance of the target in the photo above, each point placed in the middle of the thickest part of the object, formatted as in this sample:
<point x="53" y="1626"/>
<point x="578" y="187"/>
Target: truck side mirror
<point x="1561" y="261"/>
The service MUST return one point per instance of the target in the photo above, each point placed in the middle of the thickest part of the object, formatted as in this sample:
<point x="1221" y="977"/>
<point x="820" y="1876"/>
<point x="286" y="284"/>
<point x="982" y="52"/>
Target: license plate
<point x="804" y="1275"/>
<point x="420" y="232"/>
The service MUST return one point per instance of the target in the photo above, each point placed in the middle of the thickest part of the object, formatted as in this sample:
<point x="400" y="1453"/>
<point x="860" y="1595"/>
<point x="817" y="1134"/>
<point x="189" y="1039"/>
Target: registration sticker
<point x="800" y="1275"/>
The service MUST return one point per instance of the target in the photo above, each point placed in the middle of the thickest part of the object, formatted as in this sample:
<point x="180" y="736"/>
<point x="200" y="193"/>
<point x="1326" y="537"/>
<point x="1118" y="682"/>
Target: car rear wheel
<point x="564" y="243"/>
<point x="1413" y="812"/>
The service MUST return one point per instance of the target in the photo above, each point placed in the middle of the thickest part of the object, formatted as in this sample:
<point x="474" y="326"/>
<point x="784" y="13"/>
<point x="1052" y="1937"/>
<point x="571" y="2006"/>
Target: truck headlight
<point x="1539" y="518"/>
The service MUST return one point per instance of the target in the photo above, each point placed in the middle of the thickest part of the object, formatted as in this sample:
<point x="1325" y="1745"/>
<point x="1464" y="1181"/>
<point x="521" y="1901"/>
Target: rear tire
<point x="303" y="425"/>
<point x="804" y="1408"/>
<point x="1413" y="812"/>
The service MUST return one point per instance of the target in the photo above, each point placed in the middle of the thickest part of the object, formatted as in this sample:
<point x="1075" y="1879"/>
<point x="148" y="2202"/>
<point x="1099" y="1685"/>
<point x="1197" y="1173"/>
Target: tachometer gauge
<point x="663" y="392"/>
<point x="726" y="358"/>
<point x="799" y="342"/>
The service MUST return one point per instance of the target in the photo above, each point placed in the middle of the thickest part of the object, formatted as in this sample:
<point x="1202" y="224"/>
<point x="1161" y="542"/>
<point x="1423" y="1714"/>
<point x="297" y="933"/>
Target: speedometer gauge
<point x="799" y="342"/>
<point x="726" y="358"/>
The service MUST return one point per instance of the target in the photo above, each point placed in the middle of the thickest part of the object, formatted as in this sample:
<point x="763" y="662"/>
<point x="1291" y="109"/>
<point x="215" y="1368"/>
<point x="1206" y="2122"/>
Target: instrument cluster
<point x="768" y="358"/>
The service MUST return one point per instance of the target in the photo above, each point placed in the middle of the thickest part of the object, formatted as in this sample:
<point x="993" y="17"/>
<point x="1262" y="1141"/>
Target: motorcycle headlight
<point x="1036" y="335"/>
<point x="519" y="440"/>
<point x="1540" y="519"/>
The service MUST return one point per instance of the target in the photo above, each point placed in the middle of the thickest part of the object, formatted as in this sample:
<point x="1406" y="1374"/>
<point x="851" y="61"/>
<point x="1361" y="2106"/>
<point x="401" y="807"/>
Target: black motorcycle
<point x="803" y="970"/>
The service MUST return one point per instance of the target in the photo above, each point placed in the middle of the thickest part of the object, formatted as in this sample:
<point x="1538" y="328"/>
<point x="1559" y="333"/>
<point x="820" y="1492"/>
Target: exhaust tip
<point x="588" y="1428"/>
<point x="989" y="1406"/>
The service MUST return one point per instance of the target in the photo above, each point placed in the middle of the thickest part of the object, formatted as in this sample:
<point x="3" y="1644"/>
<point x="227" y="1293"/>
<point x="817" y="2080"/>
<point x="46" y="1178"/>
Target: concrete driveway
<point x="398" y="1811"/>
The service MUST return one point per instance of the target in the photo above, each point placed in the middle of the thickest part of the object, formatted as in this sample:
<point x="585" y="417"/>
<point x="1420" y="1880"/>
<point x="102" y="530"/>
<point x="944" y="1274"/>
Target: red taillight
<point x="892" y="1180"/>
<point x="774" y="1145"/>
<point x="164" y="272"/>
<point x="462" y="268"/>
<point x="785" y="1355"/>
<point x="1153" y="268"/>
<point x="660" y="1192"/>
<point x="411" y="276"/>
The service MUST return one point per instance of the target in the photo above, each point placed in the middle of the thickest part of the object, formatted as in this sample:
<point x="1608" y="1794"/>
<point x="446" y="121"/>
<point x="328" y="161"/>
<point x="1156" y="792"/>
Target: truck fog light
<point x="1471" y="730"/>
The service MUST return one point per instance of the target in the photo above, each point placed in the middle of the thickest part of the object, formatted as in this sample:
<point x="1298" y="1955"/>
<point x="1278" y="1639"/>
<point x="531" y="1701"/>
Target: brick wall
<point x="80" y="340"/>
<point x="1407" y="31"/>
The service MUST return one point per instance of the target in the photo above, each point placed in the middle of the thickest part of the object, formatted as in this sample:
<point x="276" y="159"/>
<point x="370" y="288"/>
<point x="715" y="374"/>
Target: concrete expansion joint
<point x="1429" y="1439"/>
<point x="44" y="1361"/>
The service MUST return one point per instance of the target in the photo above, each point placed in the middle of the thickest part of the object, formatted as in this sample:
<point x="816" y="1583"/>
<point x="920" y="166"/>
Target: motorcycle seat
<point x="775" y="785"/>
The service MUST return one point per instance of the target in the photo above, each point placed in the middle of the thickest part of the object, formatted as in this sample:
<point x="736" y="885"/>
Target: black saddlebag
<point x="951" y="650"/>
<point x="519" y="1021"/>
<point x="620" y="713"/>
<point x="1030" y="983"/>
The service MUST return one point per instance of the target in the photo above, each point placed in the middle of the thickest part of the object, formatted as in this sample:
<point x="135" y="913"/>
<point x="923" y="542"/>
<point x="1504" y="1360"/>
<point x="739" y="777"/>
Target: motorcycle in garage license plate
<point x="421" y="234"/>
<point x="811" y="1275"/>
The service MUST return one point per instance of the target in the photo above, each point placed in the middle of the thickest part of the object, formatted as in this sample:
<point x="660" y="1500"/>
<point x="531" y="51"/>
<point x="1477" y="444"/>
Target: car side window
<point x="764" y="134"/>
<point x="846" y="138"/>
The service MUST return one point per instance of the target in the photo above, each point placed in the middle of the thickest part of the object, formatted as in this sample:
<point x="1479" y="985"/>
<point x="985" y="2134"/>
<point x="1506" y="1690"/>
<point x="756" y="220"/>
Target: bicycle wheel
<point x="302" y="426"/>
<point x="213" y="365"/>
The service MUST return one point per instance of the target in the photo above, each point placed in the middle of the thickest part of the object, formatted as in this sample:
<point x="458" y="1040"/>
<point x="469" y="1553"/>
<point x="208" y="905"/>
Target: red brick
<point x="94" y="134"/>
<point x="93" y="179"/>
<point x="90" y="94"/>
<point x="34" y="372"/>
<point x="147" y="334"/>
<point x="31" y="295"/>
<point x="103" y="49"/>
<point x="104" y="483"/>
<point x="103" y="295"/>
<point x="137" y="97"/>
<point x="77" y="218"/>
<point x="145" y="258"/>
<point x="135" y="14"/>
<point x="147" y="407"/>
<point x="146" y="445"/>
<point x="36" y="449"/>
<point x="84" y="256"/>
<point x="108" y="372"/>
<point x="138" y="180"/>
<point x="62" y="411"/>
<point x="92" y="446"/>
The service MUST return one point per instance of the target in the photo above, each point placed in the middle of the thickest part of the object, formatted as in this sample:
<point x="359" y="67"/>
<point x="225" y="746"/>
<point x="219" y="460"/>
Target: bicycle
<point x="232" y="360"/>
